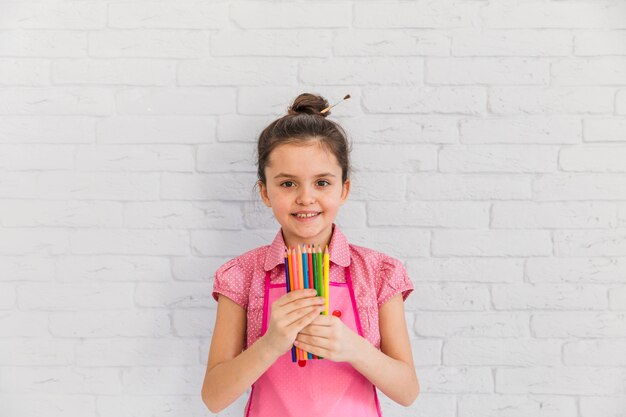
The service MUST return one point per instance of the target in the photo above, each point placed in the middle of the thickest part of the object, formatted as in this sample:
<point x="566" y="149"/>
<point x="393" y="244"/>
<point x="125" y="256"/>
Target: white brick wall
<point x="489" y="155"/>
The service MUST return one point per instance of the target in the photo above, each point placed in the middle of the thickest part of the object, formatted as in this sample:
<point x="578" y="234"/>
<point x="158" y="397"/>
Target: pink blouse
<point x="376" y="278"/>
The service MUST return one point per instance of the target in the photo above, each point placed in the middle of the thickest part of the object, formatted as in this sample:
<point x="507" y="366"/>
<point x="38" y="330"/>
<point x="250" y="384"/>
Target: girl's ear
<point x="263" y="193"/>
<point x="345" y="191"/>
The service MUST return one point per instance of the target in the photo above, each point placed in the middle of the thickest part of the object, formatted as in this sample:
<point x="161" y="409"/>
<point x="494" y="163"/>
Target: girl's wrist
<point x="269" y="352"/>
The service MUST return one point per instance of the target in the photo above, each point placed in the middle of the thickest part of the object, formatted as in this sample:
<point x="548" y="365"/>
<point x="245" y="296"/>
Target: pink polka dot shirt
<point x="376" y="278"/>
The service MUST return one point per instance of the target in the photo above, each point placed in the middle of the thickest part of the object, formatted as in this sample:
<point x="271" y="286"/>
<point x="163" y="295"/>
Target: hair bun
<point x="307" y="103"/>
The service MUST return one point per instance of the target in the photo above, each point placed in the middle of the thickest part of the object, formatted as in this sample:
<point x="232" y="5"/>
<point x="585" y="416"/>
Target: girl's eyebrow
<point x="324" y="174"/>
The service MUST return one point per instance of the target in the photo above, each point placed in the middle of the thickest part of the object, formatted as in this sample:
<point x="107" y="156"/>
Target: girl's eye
<point x="323" y="183"/>
<point x="287" y="184"/>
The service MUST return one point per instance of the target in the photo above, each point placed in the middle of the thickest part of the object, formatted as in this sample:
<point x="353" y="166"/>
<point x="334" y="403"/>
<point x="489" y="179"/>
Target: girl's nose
<point x="306" y="196"/>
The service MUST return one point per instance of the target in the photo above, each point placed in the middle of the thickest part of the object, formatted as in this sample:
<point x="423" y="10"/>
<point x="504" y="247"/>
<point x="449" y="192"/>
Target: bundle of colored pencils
<point x="306" y="267"/>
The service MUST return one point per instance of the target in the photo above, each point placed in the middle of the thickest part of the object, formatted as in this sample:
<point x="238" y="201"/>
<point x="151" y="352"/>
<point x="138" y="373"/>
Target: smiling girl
<point x="303" y="176"/>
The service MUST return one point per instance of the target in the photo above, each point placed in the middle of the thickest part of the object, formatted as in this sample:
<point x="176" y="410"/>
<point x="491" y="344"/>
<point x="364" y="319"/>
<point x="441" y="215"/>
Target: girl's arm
<point x="391" y="368"/>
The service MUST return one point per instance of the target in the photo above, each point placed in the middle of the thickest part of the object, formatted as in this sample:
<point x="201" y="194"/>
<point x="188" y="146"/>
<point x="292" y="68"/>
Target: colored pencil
<point x="327" y="278"/>
<point x="288" y="286"/>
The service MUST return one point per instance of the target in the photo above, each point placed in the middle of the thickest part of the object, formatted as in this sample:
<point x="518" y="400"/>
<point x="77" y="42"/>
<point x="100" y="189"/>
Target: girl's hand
<point x="330" y="338"/>
<point x="290" y="314"/>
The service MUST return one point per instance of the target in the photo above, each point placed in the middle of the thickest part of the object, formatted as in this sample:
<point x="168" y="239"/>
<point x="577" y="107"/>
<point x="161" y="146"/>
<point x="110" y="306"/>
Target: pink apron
<point x="321" y="388"/>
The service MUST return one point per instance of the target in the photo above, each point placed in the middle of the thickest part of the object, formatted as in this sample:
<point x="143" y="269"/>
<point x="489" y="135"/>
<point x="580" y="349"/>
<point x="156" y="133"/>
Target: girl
<point x="303" y="172"/>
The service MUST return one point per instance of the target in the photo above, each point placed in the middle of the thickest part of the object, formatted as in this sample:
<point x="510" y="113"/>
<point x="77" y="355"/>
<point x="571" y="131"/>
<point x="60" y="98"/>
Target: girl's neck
<point x="291" y="242"/>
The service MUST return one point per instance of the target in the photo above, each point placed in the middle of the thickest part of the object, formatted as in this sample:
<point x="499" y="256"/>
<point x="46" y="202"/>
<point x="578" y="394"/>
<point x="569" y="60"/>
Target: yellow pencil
<point x="327" y="278"/>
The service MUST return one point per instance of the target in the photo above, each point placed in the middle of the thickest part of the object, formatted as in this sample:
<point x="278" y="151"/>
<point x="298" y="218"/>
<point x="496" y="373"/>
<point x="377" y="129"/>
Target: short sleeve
<point x="392" y="279"/>
<point x="230" y="281"/>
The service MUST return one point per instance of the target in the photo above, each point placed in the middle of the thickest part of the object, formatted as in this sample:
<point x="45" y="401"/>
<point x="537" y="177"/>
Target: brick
<point x="464" y="269"/>
<point x="406" y="15"/>
<point x="578" y="324"/>
<point x="491" y="71"/>
<point x="24" y="71"/>
<point x="463" y="100"/>
<point x="98" y="186"/>
<point x="604" y="129"/>
<point x="490" y="405"/>
<point x="425" y="186"/>
<point x="27" y="267"/>
<point x="129" y="241"/>
<point x="149" y="44"/>
<point x="402" y="129"/>
<point x="36" y="157"/>
<point x="229" y="243"/>
<point x="524" y="129"/>
<point x="352" y="215"/>
<point x="179" y="295"/>
<point x="60" y="380"/>
<point x="299" y="43"/>
<point x="159" y="380"/>
<point x="167" y="15"/>
<point x="126" y="71"/>
<point x="373" y="42"/>
<point x="597" y="352"/>
<point x="395" y="158"/>
<point x="498" y="158"/>
<point x="36" y="351"/>
<point x="176" y="101"/>
<point x="593" y="158"/>
<point x="426" y="352"/>
<point x="47" y="129"/>
<point x="604" y="406"/>
<point x="398" y="242"/>
<point x="86" y="101"/>
<point x="549" y="296"/>
<point x="506" y="352"/>
<point x="554" y="100"/>
<point x="237" y="71"/>
<point x="183" y="215"/>
<point x="441" y="405"/>
<point x="136" y="352"/>
<point x="491" y="243"/>
<point x="28" y="240"/>
<point x="589" y="71"/>
<point x="75" y="296"/>
<point x="216" y="187"/>
<point x="472" y="324"/>
<point x="579" y="187"/>
<point x="449" y="297"/>
<point x="314" y="14"/>
<point x="113" y="268"/>
<point x="617" y="298"/>
<point x="559" y="380"/>
<point x="135" y="158"/>
<point x="578" y="270"/>
<point x="16" y="323"/>
<point x="57" y="15"/>
<point x="552" y="215"/>
<point x="377" y="187"/>
<point x="429" y="214"/>
<point x="155" y="129"/>
<point x="361" y="71"/>
<point x="590" y="243"/>
<point x="448" y="380"/>
<point x="593" y="43"/>
<point x="193" y="322"/>
<point x="110" y="324"/>
<point x="225" y="158"/>
<point x="620" y="104"/>
<point x="274" y="101"/>
<point x="38" y="44"/>
<point x="53" y="213"/>
<point x="535" y="43"/>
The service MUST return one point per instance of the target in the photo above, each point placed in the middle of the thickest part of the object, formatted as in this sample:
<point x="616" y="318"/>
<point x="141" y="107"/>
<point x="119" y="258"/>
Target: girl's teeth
<point x="306" y="215"/>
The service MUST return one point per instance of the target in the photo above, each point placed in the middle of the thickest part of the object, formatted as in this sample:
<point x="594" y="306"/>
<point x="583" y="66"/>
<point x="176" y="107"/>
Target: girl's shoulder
<point x="247" y="262"/>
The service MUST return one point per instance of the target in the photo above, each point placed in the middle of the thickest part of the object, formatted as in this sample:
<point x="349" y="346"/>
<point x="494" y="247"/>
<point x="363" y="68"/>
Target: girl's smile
<point x="304" y="190"/>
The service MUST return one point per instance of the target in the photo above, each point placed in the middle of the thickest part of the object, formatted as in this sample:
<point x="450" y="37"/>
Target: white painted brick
<point x="218" y="187"/>
<point x="426" y="186"/>
<point x="617" y="298"/>
<point x="592" y="43"/>
<point x="47" y="129"/>
<point x="299" y="43"/>
<point x="399" y="242"/>
<point x="42" y="157"/>
<point x="401" y="129"/>
<point x="590" y="243"/>
<point x="472" y="324"/>
<point x="226" y="158"/>
<point x="560" y="14"/>
<point x="431" y="214"/>
<point x="589" y="71"/>
<point x="105" y="324"/>
<point x="362" y="71"/>
<point x="112" y="268"/>
<point x="238" y="128"/>
<point x="449" y="297"/>
<point x="491" y="71"/>
<point x="620" y="102"/>
<point x="559" y="380"/>
<point x="523" y="129"/>
<point x="426" y="405"/>
<point x="34" y="43"/>
<point x="356" y="42"/>
<point x="57" y="100"/>
<point x="129" y="241"/>
<point x="135" y="158"/>
<point x="426" y="352"/>
<point x="8" y="300"/>
<point x="487" y="405"/>
<point x="213" y="215"/>
<point x="36" y="351"/>
<point x="579" y="270"/>
<point x="75" y="296"/>
<point x="602" y="406"/>
<point x="274" y="101"/>
<point x="26" y="72"/>
<point x="237" y="71"/>
<point x="597" y="352"/>
<point x="258" y="216"/>
<point x="377" y="187"/>
<point x="176" y="101"/>
<point x="593" y="158"/>
<point x="473" y="42"/>
<point x="557" y="100"/>
<point x="58" y="380"/>
<point x="155" y="129"/>
<point x="513" y="352"/>
<point x="18" y="185"/>
<point x="406" y="15"/>
<point x="228" y="243"/>
<point x="579" y="187"/>
<point x="161" y="380"/>
<point x="491" y="243"/>
<point x="20" y="241"/>
<point x="98" y="186"/>
<point x="463" y="100"/>
<point x="395" y="158"/>
<point x="126" y="71"/>
<point x="177" y="295"/>
<point x="578" y="324"/>
<point x="466" y="269"/>
<point x="57" y="15"/>
<point x="136" y="352"/>
<point x="448" y="380"/>
<point x="549" y="297"/>
<point x="195" y="269"/>
<point x="548" y="215"/>
<point x="149" y="44"/>
<point x="194" y="322"/>
<point x="604" y="129"/>
<point x="138" y="405"/>
<point x="15" y="323"/>
<point x="352" y="215"/>
<point x="168" y="15"/>
<point x="53" y="213"/>
<point x="28" y="405"/>
<point x="498" y="158"/>
<point x="259" y="14"/>
<point x="36" y="268"/>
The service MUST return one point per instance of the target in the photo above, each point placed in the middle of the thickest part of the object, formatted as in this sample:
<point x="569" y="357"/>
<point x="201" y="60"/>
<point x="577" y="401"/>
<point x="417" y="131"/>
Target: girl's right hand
<point x="289" y="314"/>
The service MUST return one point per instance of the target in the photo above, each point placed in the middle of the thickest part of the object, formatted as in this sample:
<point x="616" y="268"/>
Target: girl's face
<point x="305" y="192"/>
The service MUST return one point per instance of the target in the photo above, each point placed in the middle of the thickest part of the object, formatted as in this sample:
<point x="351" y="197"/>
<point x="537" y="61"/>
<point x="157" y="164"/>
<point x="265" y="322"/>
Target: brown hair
<point x="303" y="124"/>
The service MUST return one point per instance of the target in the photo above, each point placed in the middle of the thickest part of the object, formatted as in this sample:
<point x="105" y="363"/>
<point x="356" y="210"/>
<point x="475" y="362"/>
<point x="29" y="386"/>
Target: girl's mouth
<point x="306" y="216"/>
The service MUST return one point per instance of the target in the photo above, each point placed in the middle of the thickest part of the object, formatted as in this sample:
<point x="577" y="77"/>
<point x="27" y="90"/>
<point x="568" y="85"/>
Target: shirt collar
<point x="338" y="248"/>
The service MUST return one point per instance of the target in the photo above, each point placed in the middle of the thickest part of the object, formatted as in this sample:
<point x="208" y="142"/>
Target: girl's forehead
<point x="303" y="158"/>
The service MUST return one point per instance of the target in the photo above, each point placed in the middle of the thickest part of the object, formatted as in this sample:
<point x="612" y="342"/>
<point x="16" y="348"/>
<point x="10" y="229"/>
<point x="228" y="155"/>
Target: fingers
<point x="295" y="295"/>
<point x="304" y="317"/>
<point x="312" y="348"/>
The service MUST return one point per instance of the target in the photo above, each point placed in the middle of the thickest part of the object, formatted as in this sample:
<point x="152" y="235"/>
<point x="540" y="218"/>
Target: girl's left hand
<point x="330" y="338"/>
